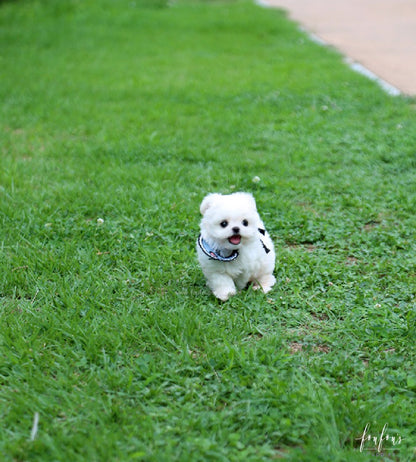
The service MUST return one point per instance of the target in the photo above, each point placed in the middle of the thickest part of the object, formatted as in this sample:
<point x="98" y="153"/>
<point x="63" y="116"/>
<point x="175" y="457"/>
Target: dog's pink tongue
<point x="235" y="240"/>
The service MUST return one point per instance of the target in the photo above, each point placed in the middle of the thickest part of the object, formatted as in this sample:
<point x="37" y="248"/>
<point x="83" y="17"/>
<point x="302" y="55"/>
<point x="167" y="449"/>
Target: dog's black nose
<point x="236" y="230"/>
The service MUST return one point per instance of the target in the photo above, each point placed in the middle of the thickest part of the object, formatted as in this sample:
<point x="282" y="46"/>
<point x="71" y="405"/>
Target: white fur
<point x="253" y="264"/>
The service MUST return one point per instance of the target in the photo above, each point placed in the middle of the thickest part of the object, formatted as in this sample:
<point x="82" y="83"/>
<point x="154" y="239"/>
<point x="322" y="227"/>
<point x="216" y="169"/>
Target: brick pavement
<point x="378" y="34"/>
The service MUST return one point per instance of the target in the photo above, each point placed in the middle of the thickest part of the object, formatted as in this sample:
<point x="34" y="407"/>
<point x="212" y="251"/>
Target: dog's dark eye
<point x="224" y="223"/>
<point x="245" y="223"/>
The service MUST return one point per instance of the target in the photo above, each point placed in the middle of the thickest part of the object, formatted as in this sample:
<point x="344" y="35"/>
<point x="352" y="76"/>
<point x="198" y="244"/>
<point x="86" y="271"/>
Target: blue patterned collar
<point x="212" y="254"/>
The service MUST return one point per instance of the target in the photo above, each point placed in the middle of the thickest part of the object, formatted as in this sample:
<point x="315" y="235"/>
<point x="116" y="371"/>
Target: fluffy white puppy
<point x="234" y="248"/>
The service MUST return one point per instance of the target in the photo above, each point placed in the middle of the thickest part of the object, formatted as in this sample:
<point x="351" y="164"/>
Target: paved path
<point x="378" y="34"/>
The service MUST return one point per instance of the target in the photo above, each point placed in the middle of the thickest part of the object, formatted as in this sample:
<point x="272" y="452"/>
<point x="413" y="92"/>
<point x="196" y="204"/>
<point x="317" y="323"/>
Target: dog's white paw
<point x="256" y="286"/>
<point x="265" y="283"/>
<point x="224" y="293"/>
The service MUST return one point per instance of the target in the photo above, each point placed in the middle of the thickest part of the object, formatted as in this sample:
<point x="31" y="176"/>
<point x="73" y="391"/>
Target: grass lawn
<point x="116" y="118"/>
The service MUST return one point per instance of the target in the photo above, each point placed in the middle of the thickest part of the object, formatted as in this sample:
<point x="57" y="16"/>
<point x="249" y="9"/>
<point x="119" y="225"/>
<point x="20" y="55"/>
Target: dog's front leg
<point x="222" y="286"/>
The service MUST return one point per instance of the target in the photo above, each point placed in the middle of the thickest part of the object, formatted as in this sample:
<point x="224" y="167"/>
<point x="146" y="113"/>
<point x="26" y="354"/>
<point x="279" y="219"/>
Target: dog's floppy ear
<point x="207" y="202"/>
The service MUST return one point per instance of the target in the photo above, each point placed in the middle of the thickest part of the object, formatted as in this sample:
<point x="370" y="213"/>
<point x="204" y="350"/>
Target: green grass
<point x="130" y="112"/>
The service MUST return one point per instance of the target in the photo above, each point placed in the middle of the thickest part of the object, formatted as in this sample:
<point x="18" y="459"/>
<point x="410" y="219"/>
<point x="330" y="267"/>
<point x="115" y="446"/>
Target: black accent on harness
<point x="266" y="249"/>
<point x="263" y="232"/>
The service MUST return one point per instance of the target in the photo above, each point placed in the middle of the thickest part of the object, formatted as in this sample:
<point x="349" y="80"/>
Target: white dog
<point x="234" y="248"/>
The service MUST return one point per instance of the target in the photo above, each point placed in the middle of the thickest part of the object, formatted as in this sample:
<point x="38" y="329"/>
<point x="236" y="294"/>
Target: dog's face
<point x="229" y="221"/>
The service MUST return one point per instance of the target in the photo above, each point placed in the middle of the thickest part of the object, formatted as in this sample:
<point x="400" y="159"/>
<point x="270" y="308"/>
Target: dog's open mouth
<point x="235" y="240"/>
